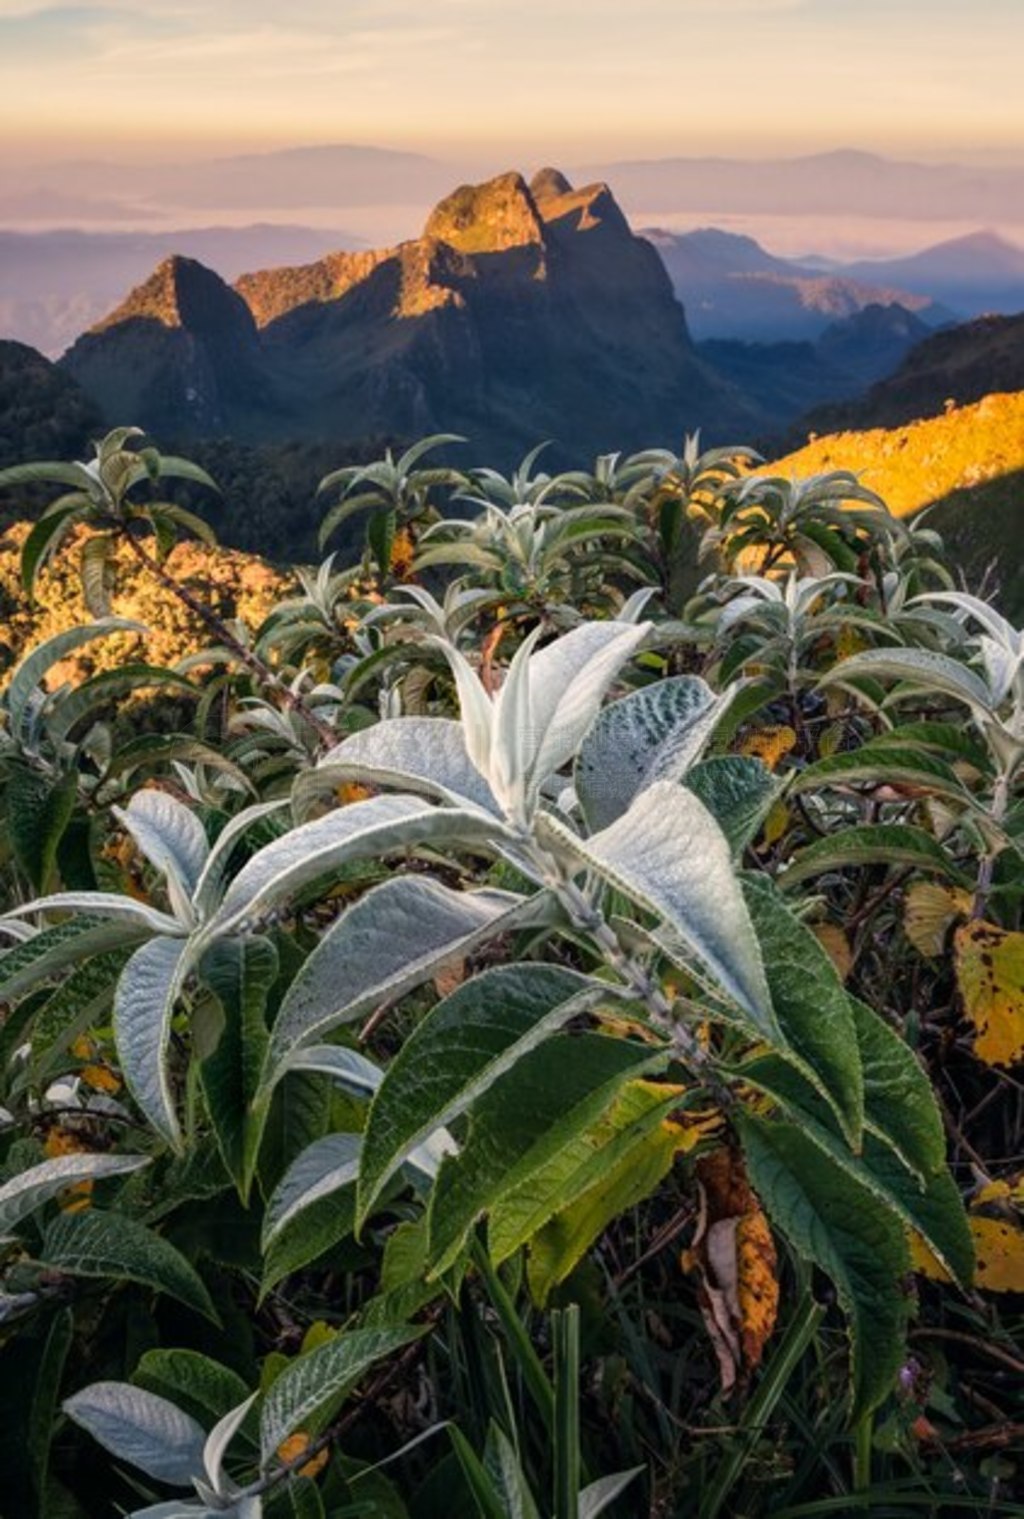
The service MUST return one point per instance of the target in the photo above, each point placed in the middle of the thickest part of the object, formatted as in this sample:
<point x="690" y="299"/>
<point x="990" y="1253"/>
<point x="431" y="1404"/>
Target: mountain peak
<point x="487" y="218"/>
<point x="548" y="182"/>
<point x="181" y="293"/>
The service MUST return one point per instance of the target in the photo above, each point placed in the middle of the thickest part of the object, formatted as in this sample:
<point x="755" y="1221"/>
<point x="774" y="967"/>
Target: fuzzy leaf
<point x="457" y="1052"/>
<point x="321" y="1378"/>
<point x="144" y="1003"/>
<point x="653" y="734"/>
<point x="669" y="855"/>
<point x="425" y="754"/>
<point x="29" y="1190"/>
<point x="142" y="1429"/>
<point x="551" y="1094"/>
<point x="834" y="1220"/>
<point x="392" y="939"/>
<point x="811" y="1005"/>
<point x="362" y="830"/>
<point x="114" y="1245"/>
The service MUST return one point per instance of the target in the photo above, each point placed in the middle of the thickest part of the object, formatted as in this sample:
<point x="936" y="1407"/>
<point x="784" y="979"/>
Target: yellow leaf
<point x="403" y="551"/>
<point x="776" y="823"/>
<point x="836" y="945"/>
<point x="999" y="1246"/>
<point x="771" y="744"/>
<point x="757" y="1284"/>
<point x="998" y="1234"/>
<point x="990" y="974"/>
<point x="927" y="913"/>
<point x="733" y="1254"/>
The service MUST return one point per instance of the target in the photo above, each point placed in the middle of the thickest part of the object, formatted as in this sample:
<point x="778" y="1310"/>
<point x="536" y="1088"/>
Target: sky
<point x="481" y="80"/>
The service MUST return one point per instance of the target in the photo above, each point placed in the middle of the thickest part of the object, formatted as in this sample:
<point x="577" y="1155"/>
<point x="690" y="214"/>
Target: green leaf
<point x="240" y="973"/>
<point x="299" y="1114"/>
<point x="98" y="578"/>
<point x="930" y="1205"/>
<point x="869" y="844"/>
<point x="108" y="688"/>
<point x="317" y="1382"/>
<point x="380" y="535"/>
<point x="312" y="1207"/>
<point x="599" y="1174"/>
<point x="669" y="855"/>
<point x="899" y="1102"/>
<point x="45" y="1392"/>
<point x="469" y="1040"/>
<point x="835" y="1221"/>
<point x="39" y="808"/>
<point x="502" y="1465"/>
<point x="83" y="999"/>
<point x="205" y="1389"/>
<point x="811" y="1005"/>
<point x="45" y="537"/>
<point x="880" y="763"/>
<point x="738" y="791"/>
<point x="114" y="1245"/>
<point x="550" y="1095"/>
<point x="482" y="1486"/>
<point x="920" y="667"/>
<point x="53" y="949"/>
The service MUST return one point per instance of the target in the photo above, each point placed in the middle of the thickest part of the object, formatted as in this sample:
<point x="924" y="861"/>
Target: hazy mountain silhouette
<point x="974" y="275"/>
<point x="731" y="287"/>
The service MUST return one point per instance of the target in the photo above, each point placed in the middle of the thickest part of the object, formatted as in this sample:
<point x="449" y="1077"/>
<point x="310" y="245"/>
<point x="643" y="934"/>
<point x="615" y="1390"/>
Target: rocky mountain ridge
<point x="523" y="311"/>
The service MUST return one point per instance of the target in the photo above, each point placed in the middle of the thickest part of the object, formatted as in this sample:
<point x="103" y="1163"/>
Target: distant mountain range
<point x="53" y="285"/>
<point x="947" y="370"/>
<point x="522" y="312"/>
<point x="525" y="311"/>
<point x="846" y="183"/>
<point x="733" y="288"/>
<point x="336" y="176"/>
<point x="332" y="176"/>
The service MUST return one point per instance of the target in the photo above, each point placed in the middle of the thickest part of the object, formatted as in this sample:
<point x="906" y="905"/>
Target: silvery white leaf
<point x="209" y="883"/>
<point x="653" y="734"/>
<point x="102" y="904"/>
<point x="147" y="991"/>
<point x="141" y="1428"/>
<point x="32" y="1188"/>
<point x="423" y="754"/>
<point x="475" y="707"/>
<point x="568" y="679"/>
<point x="669" y="855"/>
<point x="172" y="839"/>
<point x="218" y="1440"/>
<point x="352" y="1071"/>
<point x="324" y="1167"/>
<point x="596" y="1497"/>
<point x="360" y="831"/>
<point x="390" y="940"/>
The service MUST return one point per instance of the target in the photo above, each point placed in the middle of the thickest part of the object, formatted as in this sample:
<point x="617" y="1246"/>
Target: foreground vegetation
<point x="527" y="1028"/>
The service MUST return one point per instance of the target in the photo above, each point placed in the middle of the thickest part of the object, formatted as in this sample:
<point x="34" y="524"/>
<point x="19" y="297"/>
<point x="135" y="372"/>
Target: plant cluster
<point x="527" y="1029"/>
